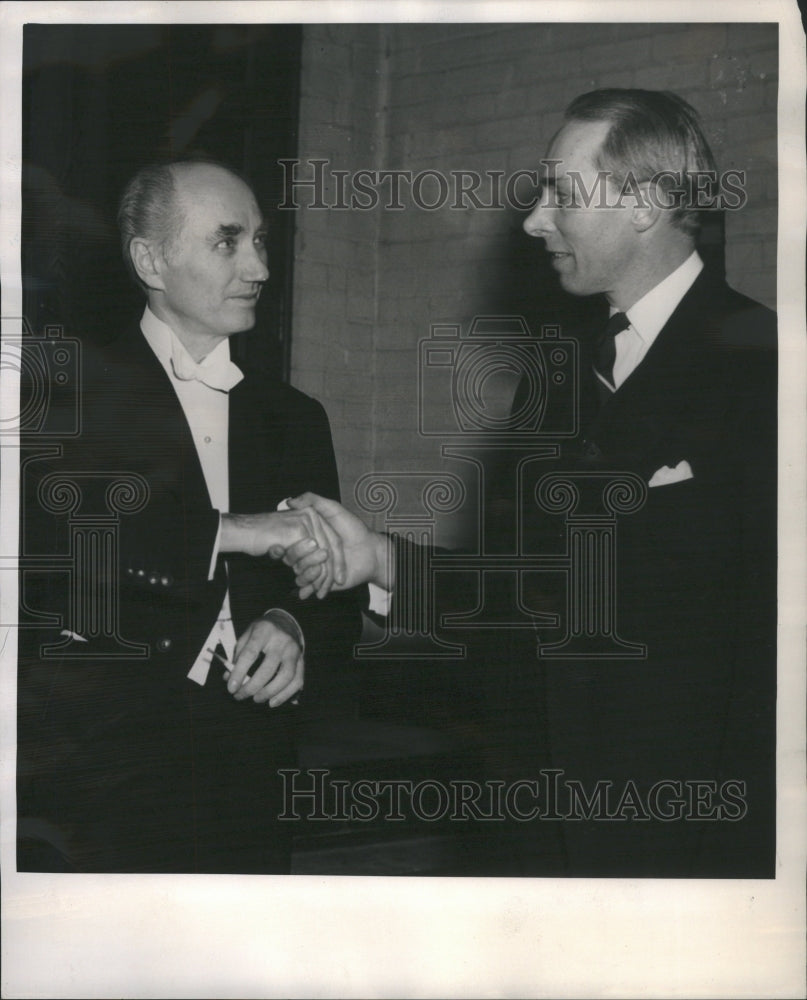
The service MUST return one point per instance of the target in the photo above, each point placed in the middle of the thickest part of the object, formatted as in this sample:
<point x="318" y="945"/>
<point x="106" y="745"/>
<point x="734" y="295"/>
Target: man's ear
<point x="647" y="210"/>
<point x="147" y="261"/>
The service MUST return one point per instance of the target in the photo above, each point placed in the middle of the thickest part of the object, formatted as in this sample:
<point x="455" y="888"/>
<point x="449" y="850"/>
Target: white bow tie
<point x="219" y="373"/>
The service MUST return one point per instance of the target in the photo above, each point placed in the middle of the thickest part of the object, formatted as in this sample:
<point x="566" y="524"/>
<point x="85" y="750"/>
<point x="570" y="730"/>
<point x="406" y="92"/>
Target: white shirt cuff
<point x="73" y="635"/>
<point x="380" y="600"/>
<point x="665" y="476"/>
<point x="211" y="570"/>
<point x="286" y="621"/>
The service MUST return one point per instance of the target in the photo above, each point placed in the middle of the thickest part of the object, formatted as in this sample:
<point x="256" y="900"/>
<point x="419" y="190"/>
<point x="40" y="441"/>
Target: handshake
<point x="327" y="547"/>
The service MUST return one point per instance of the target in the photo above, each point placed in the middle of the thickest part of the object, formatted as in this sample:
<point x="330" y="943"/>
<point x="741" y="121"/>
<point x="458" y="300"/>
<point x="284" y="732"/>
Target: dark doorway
<point x="99" y="101"/>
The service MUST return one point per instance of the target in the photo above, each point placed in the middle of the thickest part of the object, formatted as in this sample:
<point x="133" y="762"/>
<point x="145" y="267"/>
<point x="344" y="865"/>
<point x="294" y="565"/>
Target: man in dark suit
<point x="150" y="734"/>
<point x="672" y="750"/>
<point x="683" y="395"/>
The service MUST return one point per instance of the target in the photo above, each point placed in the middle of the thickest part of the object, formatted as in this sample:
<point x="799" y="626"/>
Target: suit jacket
<point x="692" y="724"/>
<point x="125" y="763"/>
<point x="666" y="762"/>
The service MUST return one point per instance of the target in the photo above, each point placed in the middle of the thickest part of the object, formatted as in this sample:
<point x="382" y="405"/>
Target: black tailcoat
<point x="124" y="763"/>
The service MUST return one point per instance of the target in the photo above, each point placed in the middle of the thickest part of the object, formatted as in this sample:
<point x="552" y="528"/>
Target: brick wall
<point x="336" y="252"/>
<point x="479" y="97"/>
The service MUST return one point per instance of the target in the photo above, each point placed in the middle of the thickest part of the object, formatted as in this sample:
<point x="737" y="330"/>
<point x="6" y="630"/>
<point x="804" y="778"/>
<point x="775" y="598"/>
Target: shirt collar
<point x="166" y="345"/>
<point x="648" y="315"/>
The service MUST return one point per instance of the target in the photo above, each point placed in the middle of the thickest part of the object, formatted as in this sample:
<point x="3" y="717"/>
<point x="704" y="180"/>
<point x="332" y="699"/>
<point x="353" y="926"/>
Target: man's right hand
<point x="367" y="554"/>
<point x="273" y="533"/>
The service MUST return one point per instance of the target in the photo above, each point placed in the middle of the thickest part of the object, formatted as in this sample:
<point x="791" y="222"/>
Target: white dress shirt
<point x="647" y="318"/>
<point x="208" y="414"/>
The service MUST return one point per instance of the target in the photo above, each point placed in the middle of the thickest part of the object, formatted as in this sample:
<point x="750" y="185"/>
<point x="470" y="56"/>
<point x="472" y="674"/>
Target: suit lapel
<point x="650" y="421"/>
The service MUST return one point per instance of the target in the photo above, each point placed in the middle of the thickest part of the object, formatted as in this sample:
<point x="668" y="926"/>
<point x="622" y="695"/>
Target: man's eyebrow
<point x="228" y="229"/>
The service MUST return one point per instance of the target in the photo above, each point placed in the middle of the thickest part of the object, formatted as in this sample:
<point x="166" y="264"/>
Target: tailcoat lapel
<point x="256" y="440"/>
<point x="153" y="425"/>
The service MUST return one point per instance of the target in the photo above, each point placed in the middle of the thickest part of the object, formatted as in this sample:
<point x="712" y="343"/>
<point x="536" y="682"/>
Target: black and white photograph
<point x="403" y="500"/>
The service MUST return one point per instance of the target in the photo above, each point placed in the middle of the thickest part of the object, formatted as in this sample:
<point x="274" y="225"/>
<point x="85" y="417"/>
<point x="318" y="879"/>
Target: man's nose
<point x="540" y="220"/>
<point x="254" y="266"/>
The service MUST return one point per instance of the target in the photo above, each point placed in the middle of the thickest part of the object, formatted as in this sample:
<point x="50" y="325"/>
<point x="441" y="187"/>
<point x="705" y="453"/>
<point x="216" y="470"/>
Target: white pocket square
<point x="665" y="476"/>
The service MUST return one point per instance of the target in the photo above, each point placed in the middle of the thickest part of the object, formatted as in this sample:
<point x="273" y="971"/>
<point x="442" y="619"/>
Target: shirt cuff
<point x="211" y="570"/>
<point x="380" y="600"/>
<point x="73" y="635"/>
<point x="287" y="623"/>
<point x="666" y="476"/>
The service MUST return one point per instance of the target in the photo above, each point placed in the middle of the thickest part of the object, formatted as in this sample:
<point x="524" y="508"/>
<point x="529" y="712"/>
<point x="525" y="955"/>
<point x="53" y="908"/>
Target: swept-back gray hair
<point x="148" y="208"/>
<point x="652" y="131"/>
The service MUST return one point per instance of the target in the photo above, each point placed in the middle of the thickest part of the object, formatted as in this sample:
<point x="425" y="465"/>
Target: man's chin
<point x="575" y="285"/>
<point x="243" y="322"/>
<point x="570" y="285"/>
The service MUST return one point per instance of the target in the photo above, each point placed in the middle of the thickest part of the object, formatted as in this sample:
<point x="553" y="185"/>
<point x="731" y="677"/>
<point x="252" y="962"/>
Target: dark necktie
<point x="605" y="348"/>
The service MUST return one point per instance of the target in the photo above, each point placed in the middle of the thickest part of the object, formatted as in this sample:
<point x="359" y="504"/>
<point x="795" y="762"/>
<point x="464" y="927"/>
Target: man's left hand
<point x="281" y="673"/>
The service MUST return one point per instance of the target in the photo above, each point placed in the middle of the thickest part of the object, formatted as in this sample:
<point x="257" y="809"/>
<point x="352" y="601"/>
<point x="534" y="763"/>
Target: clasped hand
<point x="366" y="555"/>
<point x="274" y="533"/>
<point x="327" y="547"/>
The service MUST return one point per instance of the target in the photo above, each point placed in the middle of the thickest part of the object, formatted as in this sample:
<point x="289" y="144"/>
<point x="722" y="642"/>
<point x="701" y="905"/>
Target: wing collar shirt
<point x="207" y="411"/>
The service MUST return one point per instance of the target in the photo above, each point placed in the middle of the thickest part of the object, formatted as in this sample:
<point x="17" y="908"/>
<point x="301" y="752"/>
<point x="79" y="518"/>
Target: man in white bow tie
<point x="152" y="741"/>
